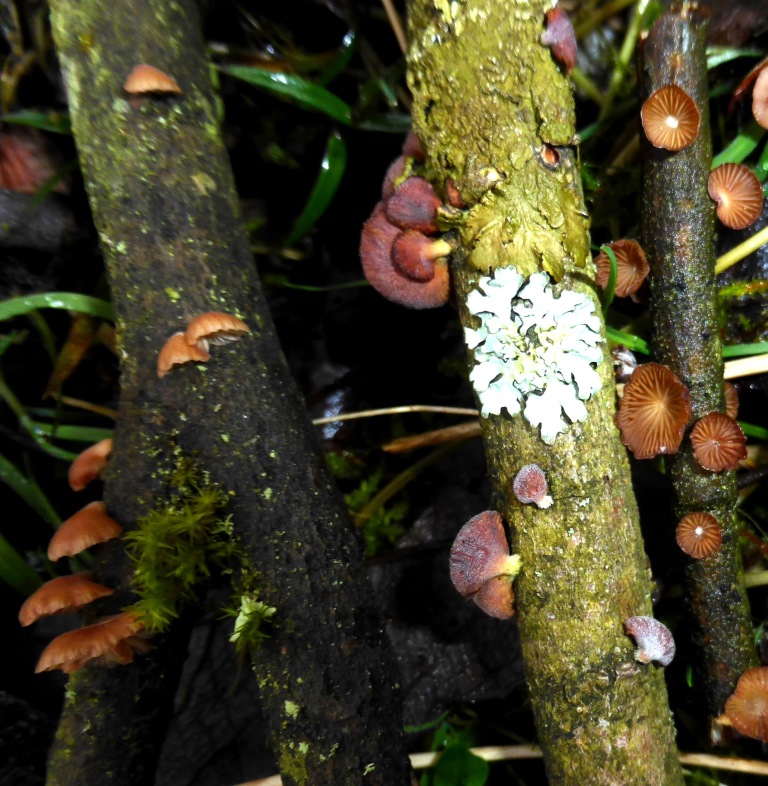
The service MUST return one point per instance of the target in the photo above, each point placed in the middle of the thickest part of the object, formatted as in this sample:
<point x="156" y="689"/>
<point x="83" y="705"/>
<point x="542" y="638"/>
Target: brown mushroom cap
<point x="413" y="206"/>
<point x="89" y="526"/>
<point x="479" y="553"/>
<point x="670" y="118"/>
<point x="61" y="595"/>
<point x="653" y="412"/>
<point x="177" y="351"/>
<point x="414" y="254"/>
<point x="560" y="37"/>
<point x="738" y="194"/>
<point x="87" y="466"/>
<point x="760" y="98"/>
<point x="376" y="243"/>
<point x="718" y="442"/>
<point x="655" y="643"/>
<point x="699" y="535"/>
<point x="747" y="706"/>
<point x="107" y="639"/>
<point x="731" y="400"/>
<point x="146" y="79"/>
<point x="631" y="267"/>
<point x="530" y="485"/>
<point x="215" y="327"/>
<point x="496" y="598"/>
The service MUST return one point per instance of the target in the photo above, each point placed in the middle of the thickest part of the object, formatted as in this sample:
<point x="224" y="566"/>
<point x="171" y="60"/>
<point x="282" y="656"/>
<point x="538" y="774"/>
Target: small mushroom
<point x="413" y="206"/>
<point x="718" y="442"/>
<point x="654" y="641"/>
<point x="738" y="194"/>
<point x="699" y="535"/>
<point x="214" y="327"/>
<point x="112" y="640"/>
<point x="731" y="400"/>
<point x="61" y="595"/>
<point x="560" y="38"/>
<point x="760" y="98"/>
<point x="624" y="363"/>
<point x="177" y="351"/>
<point x="414" y="254"/>
<point x="376" y="244"/>
<point x="747" y="706"/>
<point x="653" y="411"/>
<point x="89" y="464"/>
<point x="530" y="486"/>
<point x="670" y="118"/>
<point x="145" y="79"/>
<point x="89" y="526"/>
<point x="631" y="267"/>
<point x="480" y="557"/>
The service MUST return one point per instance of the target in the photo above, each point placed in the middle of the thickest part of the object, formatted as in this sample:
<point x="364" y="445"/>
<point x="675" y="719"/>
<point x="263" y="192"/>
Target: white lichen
<point x="533" y="351"/>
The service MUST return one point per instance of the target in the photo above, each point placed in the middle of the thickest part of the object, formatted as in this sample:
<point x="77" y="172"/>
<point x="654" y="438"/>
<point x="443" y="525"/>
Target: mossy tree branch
<point x="488" y="97"/>
<point x="168" y="217"/>
<point x="678" y="238"/>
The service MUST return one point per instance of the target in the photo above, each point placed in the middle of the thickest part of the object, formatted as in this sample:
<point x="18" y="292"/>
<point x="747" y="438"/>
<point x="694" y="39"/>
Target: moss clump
<point x="250" y="616"/>
<point x="177" y="546"/>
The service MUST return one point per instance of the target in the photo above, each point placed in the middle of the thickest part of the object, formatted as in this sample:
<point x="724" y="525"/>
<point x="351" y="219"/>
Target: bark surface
<point x="168" y="217"/>
<point x="678" y="238"/>
<point x="495" y="115"/>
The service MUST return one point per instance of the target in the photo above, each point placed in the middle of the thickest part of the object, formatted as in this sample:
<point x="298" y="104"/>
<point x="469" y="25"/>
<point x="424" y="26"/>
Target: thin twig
<point x="397" y="25"/>
<point x="745" y="367"/>
<point x="457" y="433"/>
<point x="78" y="403"/>
<point x="370" y="413"/>
<point x="736" y="254"/>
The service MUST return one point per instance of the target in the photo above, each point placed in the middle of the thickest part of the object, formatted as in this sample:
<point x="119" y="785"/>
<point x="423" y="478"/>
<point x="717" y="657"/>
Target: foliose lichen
<point x="533" y="351"/>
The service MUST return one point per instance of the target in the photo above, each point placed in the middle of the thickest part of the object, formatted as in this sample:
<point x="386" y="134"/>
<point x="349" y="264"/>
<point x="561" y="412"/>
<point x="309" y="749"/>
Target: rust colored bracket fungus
<point x="61" y="596"/>
<point x="89" y="526"/>
<point x="482" y="567"/>
<point x="560" y="38"/>
<point x="89" y="464"/>
<point x="654" y="641"/>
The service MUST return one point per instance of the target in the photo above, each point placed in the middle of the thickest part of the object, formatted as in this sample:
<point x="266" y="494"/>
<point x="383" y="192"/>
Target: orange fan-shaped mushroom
<point x="718" y="442"/>
<point x="215" y="327"/>
<point x="653" y="412"/>
<point x="177" y="351"/>
<point x="631" y="267"/>
<point x="61" y="595"/>
<point x="496" y="598"/>
<point x="110" y="640"/>
<point x="670" y="118"/>
<point x="146" y="79"/>
<point x="89" y="526"/>
<point x="87" y="466"/>
<point x="747" y="706"/>
<point x="699" y="535"/>
<point x="738" y="194"/>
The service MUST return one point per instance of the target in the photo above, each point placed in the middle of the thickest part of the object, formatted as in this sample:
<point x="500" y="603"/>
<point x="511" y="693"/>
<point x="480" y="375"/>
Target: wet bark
<point x="168" y="217"/>
<point x="495" y="115"/>
<point x="678" y="238"/>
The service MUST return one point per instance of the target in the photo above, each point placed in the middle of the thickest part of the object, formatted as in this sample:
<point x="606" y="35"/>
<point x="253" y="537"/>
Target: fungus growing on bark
<point x="412" y="146"/>
<point x="376" y="244"/>
<point x="760" y="98"/>
<point x="670" y="118"/>
<point x="414" y="254"/>
<point x="631" y="267"/>
<point x="731" y="400"/>
<point x="453" y="196"/>
<point x="624" y="363"/>
<point x="718" y="442"/>
<point x="699" y="535"/>
<point x="89" y="526"/>
<point x="654" y="641"/>
<point x="61" y="595"/>
<point x="413" y="206"/>
<point x="87" y="466"/>
<point x="394" y="173"/>
<point x="177" y="351"/>
<point x="214" y="327"/>
<point x="113" y="640"/>
<point x="147" y="80"/>
<point x="747" y="706"/>
<point x="480" y="557"/>
<point x="530" y="486"/>
<point x="653" y="412"/>
<point x="738" y="194"/>
<point x="560" y="38"/>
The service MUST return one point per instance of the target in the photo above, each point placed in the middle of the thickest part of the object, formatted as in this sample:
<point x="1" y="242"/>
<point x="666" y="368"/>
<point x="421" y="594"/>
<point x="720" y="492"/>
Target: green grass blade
<point x="610" y="287"/>
<point x="14" y="570"/>
<point x="331" y="171"/>
<point x="69" y="301"/>
<point x="28" y="490"/>
<point x="758" y="432"/>
<point x="717" y="55"/>
<point x="635" y="343"/>
<point x="45" y="121"/>
<point x="743" y="350"/>
<point x="341" y="61"/>
<point x="741" y="146"/>
<point x="90" y="434"/>
<point x="303" y="92"/>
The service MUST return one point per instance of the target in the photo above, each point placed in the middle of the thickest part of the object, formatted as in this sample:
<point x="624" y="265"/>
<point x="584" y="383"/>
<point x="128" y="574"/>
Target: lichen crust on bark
<point x="490" y="108"/>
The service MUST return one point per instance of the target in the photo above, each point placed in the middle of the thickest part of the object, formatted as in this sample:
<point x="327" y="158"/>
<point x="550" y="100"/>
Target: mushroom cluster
<point x="192" y="345"/>
<point x="401" y="257"/>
